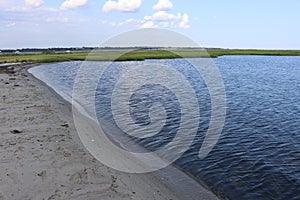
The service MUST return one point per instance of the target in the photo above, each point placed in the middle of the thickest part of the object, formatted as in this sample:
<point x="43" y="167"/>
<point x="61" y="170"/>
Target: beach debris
<point x="16" y="131"/>
<point x="113" y="187"/>
<point x="10" y="70"/>
<point x="12" y="79"/>
<point x="65" y="125"/>
<point x="42" y="173"/>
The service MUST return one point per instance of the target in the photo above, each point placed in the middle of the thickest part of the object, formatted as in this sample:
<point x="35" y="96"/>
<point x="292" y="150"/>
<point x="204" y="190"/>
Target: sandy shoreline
<point x="42" y="157"/>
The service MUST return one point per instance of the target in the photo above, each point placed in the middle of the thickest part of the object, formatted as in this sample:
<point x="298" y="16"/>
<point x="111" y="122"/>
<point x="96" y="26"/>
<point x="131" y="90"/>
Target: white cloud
<point x="10" y="24"/>
<point x="28" y="5"/>
<point x="28" y="9"/>
<point x="126" y="22"/>
<point x="163" y="16"/>
<point x="58" y="19"/>
<point x="130" y="21"/>
<point x="122" y="5"/>
<point x="164" y="24"/>
<point x="158" y="19"/>
<point x="184" y="21"/>
<point x="148" y="24"/>
<point x="69" y="4"/>
<point x="33" y="3"/>
<point x="166" y="19"/>
<point x="163" y="5"/>
<point x="49" y="9"/>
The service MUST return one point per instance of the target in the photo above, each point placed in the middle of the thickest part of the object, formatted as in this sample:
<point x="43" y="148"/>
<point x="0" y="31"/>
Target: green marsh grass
<point x="139" y="55"/>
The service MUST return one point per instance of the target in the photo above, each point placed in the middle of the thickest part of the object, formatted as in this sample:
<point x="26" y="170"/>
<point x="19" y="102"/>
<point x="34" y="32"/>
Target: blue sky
<point x="264" y="24"/>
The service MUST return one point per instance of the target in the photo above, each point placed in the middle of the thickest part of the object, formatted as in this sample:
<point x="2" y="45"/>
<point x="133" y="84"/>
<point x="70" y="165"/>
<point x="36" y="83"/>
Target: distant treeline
<point x="85" y="49"/>
<point x="39" y="50"/>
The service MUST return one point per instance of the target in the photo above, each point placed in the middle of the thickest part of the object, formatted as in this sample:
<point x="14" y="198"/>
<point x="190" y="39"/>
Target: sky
<point x="255" y="24"/>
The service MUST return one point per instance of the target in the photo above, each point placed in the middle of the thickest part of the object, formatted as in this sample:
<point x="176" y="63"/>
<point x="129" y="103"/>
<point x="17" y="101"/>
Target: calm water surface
<point x="258" y="153"/>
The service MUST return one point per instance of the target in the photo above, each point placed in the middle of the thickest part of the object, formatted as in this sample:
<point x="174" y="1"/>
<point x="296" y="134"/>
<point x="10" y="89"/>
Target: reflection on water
<point x="258" y="153"/>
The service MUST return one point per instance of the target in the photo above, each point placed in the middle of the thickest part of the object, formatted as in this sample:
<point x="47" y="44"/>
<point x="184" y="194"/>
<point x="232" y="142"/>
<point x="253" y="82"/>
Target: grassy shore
<point x="138" y="55"/>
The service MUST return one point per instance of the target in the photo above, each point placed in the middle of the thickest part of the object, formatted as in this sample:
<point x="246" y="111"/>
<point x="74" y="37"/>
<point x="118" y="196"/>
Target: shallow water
<point x="258" y="153"/>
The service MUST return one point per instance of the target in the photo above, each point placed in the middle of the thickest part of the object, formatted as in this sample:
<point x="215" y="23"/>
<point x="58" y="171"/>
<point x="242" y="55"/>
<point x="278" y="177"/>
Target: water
<point x="258" y="153"/>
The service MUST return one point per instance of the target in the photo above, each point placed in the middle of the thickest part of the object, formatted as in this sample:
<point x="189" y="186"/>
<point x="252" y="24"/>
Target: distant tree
<point x="48" y="51"/>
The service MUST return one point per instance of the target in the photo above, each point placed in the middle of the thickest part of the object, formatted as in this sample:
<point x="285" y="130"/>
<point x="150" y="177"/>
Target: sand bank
<point x="41" y="156"/>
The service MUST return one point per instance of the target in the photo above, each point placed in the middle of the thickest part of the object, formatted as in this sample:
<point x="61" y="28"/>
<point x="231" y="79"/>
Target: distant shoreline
<point x="128" y="54"/>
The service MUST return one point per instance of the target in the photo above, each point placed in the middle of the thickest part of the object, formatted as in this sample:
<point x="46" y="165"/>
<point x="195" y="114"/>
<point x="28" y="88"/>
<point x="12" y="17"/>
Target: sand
<point x="41" y="156"/>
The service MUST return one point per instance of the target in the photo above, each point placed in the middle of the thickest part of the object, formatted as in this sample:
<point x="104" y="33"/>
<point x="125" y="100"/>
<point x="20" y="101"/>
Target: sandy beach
<point x="41" y="156"/>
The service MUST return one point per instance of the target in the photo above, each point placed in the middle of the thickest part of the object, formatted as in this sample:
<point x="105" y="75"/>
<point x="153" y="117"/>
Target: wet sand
<point x="41" y="156"/>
